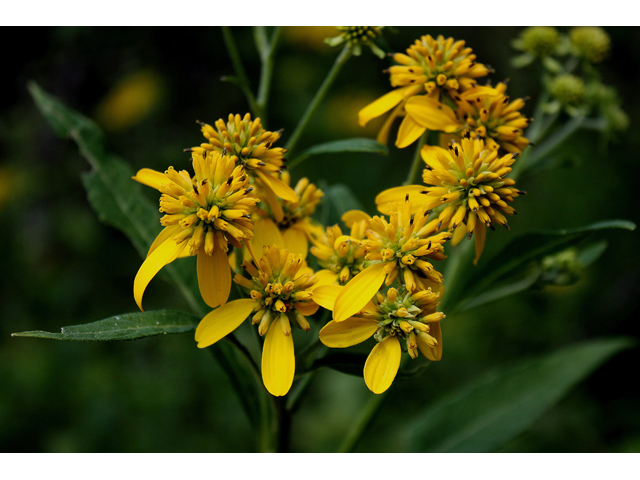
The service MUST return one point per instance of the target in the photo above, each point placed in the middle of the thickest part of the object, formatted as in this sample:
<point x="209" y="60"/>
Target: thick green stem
<point x="242" y="80"/>
<point x="358" y="428"/>
<point x="267" y="49"/>
<point x="320" y="94"/>
<point x="417" y="164"/>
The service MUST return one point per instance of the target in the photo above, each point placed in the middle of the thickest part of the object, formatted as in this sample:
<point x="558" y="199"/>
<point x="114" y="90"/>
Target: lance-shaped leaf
<point x="510" y="270"/>
<point x="486" y="413"/>
<point x="116" y="198"/>
<point x="362" y="145"/>
<point x="129" y="326"/>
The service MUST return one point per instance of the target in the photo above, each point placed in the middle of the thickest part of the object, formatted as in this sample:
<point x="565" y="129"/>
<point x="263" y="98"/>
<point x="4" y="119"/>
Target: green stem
<point x="320" y="94"/>
<point x="267" y="49"/>
<point x="358" y="428"/>
<point x="417" y="164"/>
<point x="242" y="80"/>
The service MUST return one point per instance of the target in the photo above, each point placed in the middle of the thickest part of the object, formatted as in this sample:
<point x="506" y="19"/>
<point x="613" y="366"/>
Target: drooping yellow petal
<point x="382" y="364"/>
<point x="380" y="106"/>
<point x="409" y="132"/>
<point x="167" y="233"/>
<point x="325" y="277"/>
<point x="162" y="255"/>
<point x="214" y="276"/>
<point x="431" y="114"/>
<point x="481" y="235"/>
<point x="265" y="232"/>
<point x="295" y="240"/>
<point x="352" y="216"/>
<point x="431" y="154"/>
<point x="151" y="178"/>
<point x="325" y="295"/>
<point x="398" y="195"/>
<point x="222" y="321"/>
<point x="432" y="353"/>
<point x="280" y="188"/>
<point x="347" y="333"/>
<point x="383" y="134"/>
<point x="458" y="234"/>
<point x="274" y="204"/>
<point x="278" y="361"/>
<point x="358" y="292"/>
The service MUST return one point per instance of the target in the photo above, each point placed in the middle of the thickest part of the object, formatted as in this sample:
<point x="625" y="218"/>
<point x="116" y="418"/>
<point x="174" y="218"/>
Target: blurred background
<point x="146" y="87"/>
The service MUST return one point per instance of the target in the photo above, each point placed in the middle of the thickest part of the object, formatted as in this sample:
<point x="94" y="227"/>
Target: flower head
<point x="590" y="43"/>
<point x="281" y="295"/>
<point x="396" y="320"/>
<point x="539" y="41"/>
<point x="468" y="181"/>
<point x="568" y="89"/>
<point x="430" y="69"/>
<point x="203" y="214"/>
<point x="341" y="256"/>
<point x="252" y="146"/>
<point x="356" y="37"/>
<point x="401" y="248"/>
<point x="495" y="119"/>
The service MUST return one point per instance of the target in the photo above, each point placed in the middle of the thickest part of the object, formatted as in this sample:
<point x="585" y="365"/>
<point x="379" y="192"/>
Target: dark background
<point x="61" y="266"/>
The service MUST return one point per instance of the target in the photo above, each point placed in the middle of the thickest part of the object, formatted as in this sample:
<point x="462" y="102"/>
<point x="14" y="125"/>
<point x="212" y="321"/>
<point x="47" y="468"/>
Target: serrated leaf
<point x="515" y="258"/>
<point x="129" y="326"/>
<point x="486" y="413"/>
<point x="116" y="198"/>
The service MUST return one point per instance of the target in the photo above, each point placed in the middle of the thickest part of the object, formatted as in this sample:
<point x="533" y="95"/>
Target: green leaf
<point x="338" y="199"/>
<point x="116" y="198"/>
<point x="362" y="145"/>
<point x="513" y="264"/>
<point x="130" y="326"/>
<point x="522" y="60"/>
<point x="486" y="413"/>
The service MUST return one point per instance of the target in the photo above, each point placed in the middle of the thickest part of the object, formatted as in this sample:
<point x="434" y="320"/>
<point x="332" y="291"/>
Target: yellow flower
<point x="469" y="181"/>
<point x="355" y="37"/>
<point x="399" y="317"/>
<point x="251" y="145"/>
<point x="281" y="295"/>
<point x="399" y="248"/>
<point x="202" y="215"/>
<point x="341" y="256"/>
<point x="495" y="119"/>
<point x="431" y="68"/>
<point x="291" y="219"/>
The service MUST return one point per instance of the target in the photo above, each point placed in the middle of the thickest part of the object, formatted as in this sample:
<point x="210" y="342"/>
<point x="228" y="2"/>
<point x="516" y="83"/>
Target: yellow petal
<point x="164" y="254"/>
<point x="347" y="333"/>
<point x="151" y="178"/>
<point x="166" y="233"/>
<point x="265" y="232"/>
<point x="458" y="234"/>
<point x="431" y="155"/>
<point x="325" y="295"/>
<point x="214" y="276"/>
<point x="358" y="292"/>
<point x="383" y="134"/>
<point x="382" y="364"/>
<point x="325" y="277"/>
<point x="278" y="361"/>
<point x="380" y="106"/>
<point x="432" y="353"/>
<point x="481" y="235"/>
<point x="274" y="204"/>
<point x="306" y="308"/>
<point x="409" y="132"/>
<point x="295" y="240"/>
<point x="222" y="321"/>
<point x="398" y="194"/>
<point x="280" y="188"/>
<point x="352" y="216"/>
<point x="431" y="114"/>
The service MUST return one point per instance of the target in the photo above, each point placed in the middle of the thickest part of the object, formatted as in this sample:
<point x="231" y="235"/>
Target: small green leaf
<point x="486" y="413"/>
<point x="551" y="64"/>
<point x="512" y="264"/>
<point x="522" y="60"/>
<point x="129" y="326"/>
<point x="363" y="145"/>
